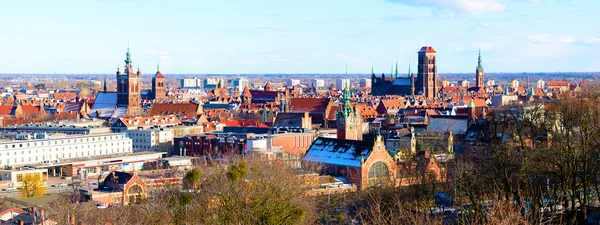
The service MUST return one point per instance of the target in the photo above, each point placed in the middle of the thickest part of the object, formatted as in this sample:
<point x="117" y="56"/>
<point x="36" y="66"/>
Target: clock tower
<point x="349" y="121"/>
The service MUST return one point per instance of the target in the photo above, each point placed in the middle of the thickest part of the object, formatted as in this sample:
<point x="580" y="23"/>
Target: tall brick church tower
<point x="128" y="88"/>
<point x="349" y="120"/>
<point x="159" y="89"/>
<point x="427" y="72"/>
<point x="479" y="72"/>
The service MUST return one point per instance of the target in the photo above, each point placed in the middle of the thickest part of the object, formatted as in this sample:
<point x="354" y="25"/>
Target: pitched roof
<point x="427" y="49"/>
<point x="557" y="83"/>
<point x="158" y="75"/>
<point x="105" y="102"/>
<point x="338" y="152"/>
<point x="245" y="123"/>
<point x="292" y="120"/>
<point x="149" y="121"/>
<point x="160" y="109"/>
<point x="6" y="110"/>
<point x="456" y="124"/>
<point x="313" y="105"/>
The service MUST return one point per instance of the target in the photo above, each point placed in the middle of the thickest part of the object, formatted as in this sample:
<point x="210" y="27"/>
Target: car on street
<point x="9" y="189"/>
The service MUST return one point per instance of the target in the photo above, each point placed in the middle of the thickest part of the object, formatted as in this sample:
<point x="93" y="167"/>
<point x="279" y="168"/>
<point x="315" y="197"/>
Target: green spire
<point x="157" y="67"/>
<point x="396" y="73"/>
<point x="372" y="71"/>
<point x="392" y="71"/>
<point x="346" y="96"/>
<point x="479" y="63"/>
<point x="128" y="57"/>
<point x="408" y="68"/>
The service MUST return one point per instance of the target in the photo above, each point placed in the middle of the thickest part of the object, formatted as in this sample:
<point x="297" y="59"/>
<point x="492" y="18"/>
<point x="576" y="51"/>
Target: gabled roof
<point x="312" y="105"/>
<point x="158" y="75"/>
<point x="427" y="49"/>
<point x="557" y="83"/>
<point x="339" y="152"/>
<point x="161" y="109"/>
<point x="456" y="124"/>
<point x="245" y="123"/>
<point x="291" y="120"/>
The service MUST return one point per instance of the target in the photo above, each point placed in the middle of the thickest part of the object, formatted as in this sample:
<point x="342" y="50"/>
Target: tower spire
<point x="128" y="57"/>
<point x="157" y="67"/>
<point x="105" y="84"/>
<point x="479" y="63"/>
<point x="372" y="71"/>
<point x="408" y="68"/>
<point x="396" y="73"/>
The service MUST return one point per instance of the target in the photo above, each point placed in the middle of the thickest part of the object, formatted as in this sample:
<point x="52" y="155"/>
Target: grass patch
<point x="39" y="200"/>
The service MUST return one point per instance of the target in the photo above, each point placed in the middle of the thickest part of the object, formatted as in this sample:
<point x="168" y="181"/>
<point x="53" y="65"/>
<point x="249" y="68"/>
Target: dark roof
<point x="116" y="180"/>
<point x="263" y="96"/>
<point x="292" y="120"/>
<point x="339" y="152"/>
<point x="456" y="124"/>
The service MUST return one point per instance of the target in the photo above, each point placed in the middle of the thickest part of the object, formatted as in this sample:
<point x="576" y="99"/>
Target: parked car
<point x="102" y="206"/>
<point x="10" y="189"/>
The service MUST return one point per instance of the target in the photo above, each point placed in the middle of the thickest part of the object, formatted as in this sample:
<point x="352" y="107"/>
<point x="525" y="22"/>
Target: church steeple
<point x="128" y="58"/>
<point x="105" y="84"/>
<point x="396" y="73"/>
<point x="479" y="63"/>
<point x="479" y="72"/>
<point x="346" y="96"/>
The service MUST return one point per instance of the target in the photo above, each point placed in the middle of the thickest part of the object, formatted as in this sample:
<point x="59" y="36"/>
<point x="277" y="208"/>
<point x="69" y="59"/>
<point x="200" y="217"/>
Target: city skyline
<point x="298" y="37"/>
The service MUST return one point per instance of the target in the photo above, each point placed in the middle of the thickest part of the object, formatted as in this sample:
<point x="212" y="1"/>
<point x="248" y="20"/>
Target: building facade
<point x="46" y="150"/>
<point x="159" y="86"/>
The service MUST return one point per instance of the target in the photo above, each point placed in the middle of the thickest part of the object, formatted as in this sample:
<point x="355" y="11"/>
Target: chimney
<point x="21" y="222"/>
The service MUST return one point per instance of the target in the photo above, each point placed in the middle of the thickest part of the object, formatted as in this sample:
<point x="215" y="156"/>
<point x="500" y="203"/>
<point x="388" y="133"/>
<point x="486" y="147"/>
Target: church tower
<point x="349" y="121"/>
<point x="479" y="72"/>
<point x="427" y="72"/>
<point x="128" y="88"/>
<point x="159" y="89"/>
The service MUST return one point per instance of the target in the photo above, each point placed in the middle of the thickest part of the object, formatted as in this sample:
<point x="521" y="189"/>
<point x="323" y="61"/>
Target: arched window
<point x="379" y="174"/>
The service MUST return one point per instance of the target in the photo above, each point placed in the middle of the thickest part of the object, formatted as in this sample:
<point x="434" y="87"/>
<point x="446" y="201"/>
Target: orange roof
<point x="159" y="75"/>
<point x="427" y="49"/>
<point x="557" y="83"/>
<point x="245" y="123"/>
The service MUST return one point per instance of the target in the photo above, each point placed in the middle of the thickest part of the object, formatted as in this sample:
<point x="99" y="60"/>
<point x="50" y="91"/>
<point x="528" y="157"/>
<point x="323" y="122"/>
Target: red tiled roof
<point x="427" y="49"/>
<point x="315" y="105"/>
<point x="65" y="95"/>
<point x="6" y="110"/>
<point x="159" y="75"/>
<point x="245" y="123"/>
<point x="557" y="83"/>
<point x="170" y="109"/>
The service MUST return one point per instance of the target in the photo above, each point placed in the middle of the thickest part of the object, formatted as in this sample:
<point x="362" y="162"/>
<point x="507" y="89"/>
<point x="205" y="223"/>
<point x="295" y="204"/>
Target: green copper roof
<point x="479" y="63"/>
<point x="408" y="68"/>
<point x="471" y="104"/>
<point x="128" y="58"/>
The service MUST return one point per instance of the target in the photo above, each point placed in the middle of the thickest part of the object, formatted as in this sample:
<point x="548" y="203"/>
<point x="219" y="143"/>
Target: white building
<point x="159" y="140"/>
<point x="53" y="149"/>
<point x="514" y="84"/>
<point x="317" y="83"/>
<point x="491" y="83"/>
<point x="340" y="84"/>
<point x="463" y="83"/>
<point x="239" y="84"/>
<point x="191" y="83"/>
<point x="292" y="82"/>
<point x="365" y="83"/>
<point x="541" y="84"/>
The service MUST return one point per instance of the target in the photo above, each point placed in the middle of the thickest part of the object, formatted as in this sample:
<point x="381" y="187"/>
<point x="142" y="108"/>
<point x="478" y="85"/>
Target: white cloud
<point x="449" y="7"/>
<point x="540" y="38"/>
<point x="484" y="46"/>
<point x="567" y="39"/>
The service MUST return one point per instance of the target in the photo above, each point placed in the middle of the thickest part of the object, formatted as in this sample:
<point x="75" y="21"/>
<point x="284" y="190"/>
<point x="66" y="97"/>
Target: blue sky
<point x="308" y="36"/>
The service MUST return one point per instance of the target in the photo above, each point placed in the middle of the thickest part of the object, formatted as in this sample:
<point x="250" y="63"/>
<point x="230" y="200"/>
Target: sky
<point x="293" y="36"/>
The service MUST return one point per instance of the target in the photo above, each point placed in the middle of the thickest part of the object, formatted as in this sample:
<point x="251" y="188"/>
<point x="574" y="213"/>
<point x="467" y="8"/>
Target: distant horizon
<point x="268" y="36"/>
<point x="275" y="74"/>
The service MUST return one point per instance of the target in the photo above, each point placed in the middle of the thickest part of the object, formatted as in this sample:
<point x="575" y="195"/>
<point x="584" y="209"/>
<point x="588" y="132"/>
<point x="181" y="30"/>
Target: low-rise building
<point x="48" y="149"/>
<point x="159" y="139"/>
<point x="14" y="177"/>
